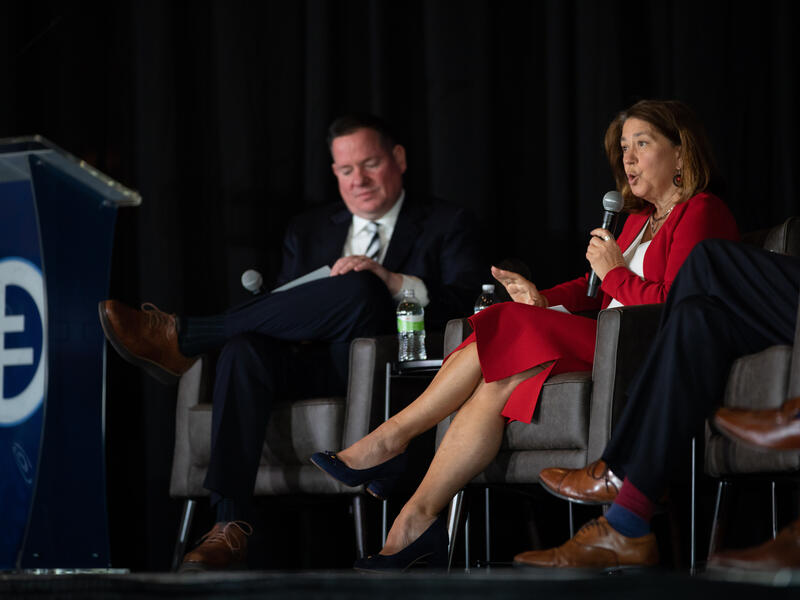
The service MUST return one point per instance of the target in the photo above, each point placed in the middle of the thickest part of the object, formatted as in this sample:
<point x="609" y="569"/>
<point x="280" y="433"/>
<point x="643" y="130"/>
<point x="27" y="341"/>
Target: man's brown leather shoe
<point x="224" y="547"/>
<point x="594" y="484"/>
<point x="778" y="428"/>
<point x="147" y="338"/>
<point x="596" y="545"/>
<point x="781" y="553"/>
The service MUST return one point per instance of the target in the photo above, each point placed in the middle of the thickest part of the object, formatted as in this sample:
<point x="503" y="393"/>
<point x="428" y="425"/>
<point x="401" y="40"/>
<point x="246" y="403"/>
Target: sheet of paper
<point x="559" y="308"/>
<point x="316" y="274"/>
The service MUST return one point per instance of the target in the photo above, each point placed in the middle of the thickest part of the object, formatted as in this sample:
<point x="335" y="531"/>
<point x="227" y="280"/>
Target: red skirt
<point x="514" y="337"/>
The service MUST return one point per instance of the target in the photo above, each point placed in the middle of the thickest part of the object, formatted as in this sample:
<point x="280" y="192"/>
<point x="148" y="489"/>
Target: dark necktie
<point x="374" y="247"/>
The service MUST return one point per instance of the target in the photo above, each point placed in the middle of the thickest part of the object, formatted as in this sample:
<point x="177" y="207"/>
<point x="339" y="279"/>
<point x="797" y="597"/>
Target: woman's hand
<point x="520" y="289"/>
<point x="603" y="253"/>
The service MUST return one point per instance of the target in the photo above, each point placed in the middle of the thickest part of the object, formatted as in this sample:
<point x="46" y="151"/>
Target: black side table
<point x="412" y="369"/>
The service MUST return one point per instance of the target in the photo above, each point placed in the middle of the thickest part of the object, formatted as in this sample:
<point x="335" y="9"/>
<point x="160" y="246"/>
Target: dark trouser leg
<point x="331" y="309"/>
<point x="728" y="300"/>
<point x="255" y="370"/>
<point x="248" y="378"/>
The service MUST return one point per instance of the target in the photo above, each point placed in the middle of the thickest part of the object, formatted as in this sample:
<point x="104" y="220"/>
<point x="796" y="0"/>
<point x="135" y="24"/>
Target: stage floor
<point x="496" y="583"/>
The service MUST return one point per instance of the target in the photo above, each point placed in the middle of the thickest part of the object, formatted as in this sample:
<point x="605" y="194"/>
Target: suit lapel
<point x="406" y="231"/>
<point x="332" y="242"/>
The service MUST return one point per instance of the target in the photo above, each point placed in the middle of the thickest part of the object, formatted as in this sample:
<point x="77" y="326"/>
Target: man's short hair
<point x="347" y="124"/>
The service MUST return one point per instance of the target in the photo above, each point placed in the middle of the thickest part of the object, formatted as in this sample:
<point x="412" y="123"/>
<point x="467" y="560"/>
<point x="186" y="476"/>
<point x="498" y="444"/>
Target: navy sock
<point x="626" y="522"/>
<point x="230" y="510"/>
<point x="198" y="335"/>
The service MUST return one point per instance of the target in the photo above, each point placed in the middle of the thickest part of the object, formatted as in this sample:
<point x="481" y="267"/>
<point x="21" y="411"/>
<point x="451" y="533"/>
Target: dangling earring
<point x="677" y="180"/>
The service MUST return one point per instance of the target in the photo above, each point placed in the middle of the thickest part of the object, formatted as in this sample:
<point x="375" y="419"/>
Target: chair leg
<point x="572" y="520"/>
<point x="692" y="531"/>
<point x="359" y="522"/>
<point x="183" y="532"/>
<point x="774" y="511"/>
<point x="488" y="528"/>
<point x="466" y="542"/>
<point x="719" y="511"/>
<point x="384" y="521"/>
<point x="453" y="517"/>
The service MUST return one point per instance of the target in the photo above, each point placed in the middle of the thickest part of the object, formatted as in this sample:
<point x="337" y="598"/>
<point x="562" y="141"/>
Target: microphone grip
<point x="594" y="283"/>
<point x="610" y="223"/>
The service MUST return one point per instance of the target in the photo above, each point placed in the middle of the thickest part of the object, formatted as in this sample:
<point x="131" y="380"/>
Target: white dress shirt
<point x="359" y="237"/>
<point x="634" y="258"/>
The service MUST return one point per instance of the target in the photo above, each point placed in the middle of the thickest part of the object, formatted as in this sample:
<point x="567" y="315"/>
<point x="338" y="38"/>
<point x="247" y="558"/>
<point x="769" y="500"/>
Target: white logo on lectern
<point x="20" y="273"/>
<point x="24" y="463"/>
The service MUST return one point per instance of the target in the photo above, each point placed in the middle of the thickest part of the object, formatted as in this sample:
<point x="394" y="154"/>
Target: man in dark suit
<point x="378" y="242"/>
<point x="728" y="300"/>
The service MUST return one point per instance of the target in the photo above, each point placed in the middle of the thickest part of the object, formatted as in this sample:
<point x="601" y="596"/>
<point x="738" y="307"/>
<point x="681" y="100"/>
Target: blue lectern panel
<point x="22" y="362"/>
<point x="68" y="523"/>
<point x="56" y="228"/>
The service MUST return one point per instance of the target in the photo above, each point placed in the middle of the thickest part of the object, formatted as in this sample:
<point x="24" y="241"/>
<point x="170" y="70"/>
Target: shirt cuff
<point x="413" y="283"/>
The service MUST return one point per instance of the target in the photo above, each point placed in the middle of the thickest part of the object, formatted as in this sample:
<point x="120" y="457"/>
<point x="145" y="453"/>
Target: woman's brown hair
<point x="678" y="123"/>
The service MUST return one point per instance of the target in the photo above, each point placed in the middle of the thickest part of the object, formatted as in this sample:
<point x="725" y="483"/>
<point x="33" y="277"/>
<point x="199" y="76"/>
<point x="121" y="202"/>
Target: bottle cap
<point x="488" y="287"/>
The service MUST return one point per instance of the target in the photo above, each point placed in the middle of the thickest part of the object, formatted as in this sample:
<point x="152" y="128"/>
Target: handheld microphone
<point x="253" y="282"/>
<point x="612" y="205"/>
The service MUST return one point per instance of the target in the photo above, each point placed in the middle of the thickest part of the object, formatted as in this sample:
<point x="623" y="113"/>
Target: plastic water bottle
<point x="486" y="298"/>
<point x="410" y="328"/>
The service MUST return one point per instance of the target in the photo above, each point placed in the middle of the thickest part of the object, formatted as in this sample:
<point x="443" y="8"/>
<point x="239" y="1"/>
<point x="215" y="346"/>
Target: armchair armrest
<point x="624" y="335"/>
<point x="366" y="385"/>
<point x="456" y="331"/>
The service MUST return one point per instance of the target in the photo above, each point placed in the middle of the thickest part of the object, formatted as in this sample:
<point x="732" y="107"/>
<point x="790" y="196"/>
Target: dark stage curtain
<point x="216" y="112"/>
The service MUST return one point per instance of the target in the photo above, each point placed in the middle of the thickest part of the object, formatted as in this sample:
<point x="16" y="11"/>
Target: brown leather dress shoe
<point x="147" y="338"/>
<point x="224" y="547"/>
<point x="778" y="428"/>
<point x="781" y="553"/>
<point x="596" y="545"/>
<point x="594" y="484"/>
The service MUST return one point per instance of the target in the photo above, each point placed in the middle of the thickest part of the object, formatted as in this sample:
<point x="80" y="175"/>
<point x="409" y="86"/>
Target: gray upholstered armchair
<point x="296" y="430"/>
<point x="576" y="411"/>
<point x="758" y="381"/>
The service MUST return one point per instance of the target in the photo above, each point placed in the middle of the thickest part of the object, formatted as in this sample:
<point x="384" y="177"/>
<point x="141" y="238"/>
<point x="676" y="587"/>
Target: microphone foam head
<point x="612" y="201"/>
<point x="252" y="280"/>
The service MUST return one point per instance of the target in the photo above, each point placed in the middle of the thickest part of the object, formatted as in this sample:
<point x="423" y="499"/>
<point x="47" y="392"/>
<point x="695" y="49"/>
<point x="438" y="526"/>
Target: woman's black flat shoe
<point x="381" y="478"/>
<point x="430" y="547"/>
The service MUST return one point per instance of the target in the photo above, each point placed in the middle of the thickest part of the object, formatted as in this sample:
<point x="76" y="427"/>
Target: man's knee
<point x="704" y="252"/>
<point x="366" y="287"/>
<point x="369" y="303"/>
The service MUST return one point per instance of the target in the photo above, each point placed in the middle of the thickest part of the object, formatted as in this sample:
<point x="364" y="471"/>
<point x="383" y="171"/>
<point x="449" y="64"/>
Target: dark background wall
<point x="216" y="113"/>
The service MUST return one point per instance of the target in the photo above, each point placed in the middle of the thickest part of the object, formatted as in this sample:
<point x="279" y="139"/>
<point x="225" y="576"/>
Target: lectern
<point x="57" y="218"/>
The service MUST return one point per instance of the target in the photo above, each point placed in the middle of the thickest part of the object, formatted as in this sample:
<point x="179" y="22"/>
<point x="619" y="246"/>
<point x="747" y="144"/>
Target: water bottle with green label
<point x="410" y="328"/>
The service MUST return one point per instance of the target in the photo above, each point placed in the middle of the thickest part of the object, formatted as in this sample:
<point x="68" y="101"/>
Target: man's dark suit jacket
<point x="432" y="240"/>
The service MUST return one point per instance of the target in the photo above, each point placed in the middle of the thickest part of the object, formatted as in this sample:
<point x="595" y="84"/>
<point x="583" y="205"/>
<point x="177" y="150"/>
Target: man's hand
<point x="603" y="253"/>
<point x="520" y="289"/>
<point x="393" y="281"/>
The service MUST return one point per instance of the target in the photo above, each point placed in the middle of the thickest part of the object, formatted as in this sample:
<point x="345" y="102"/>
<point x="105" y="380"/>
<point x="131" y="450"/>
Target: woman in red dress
<point x="663" y="168"/>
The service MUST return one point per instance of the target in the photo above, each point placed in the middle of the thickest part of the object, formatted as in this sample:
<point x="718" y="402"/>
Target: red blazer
<point x="701" y="217"/>
<point x="513" y="337"/>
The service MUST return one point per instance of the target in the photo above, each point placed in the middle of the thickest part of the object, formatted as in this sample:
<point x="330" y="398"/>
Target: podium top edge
<point x="123" y="195"/>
